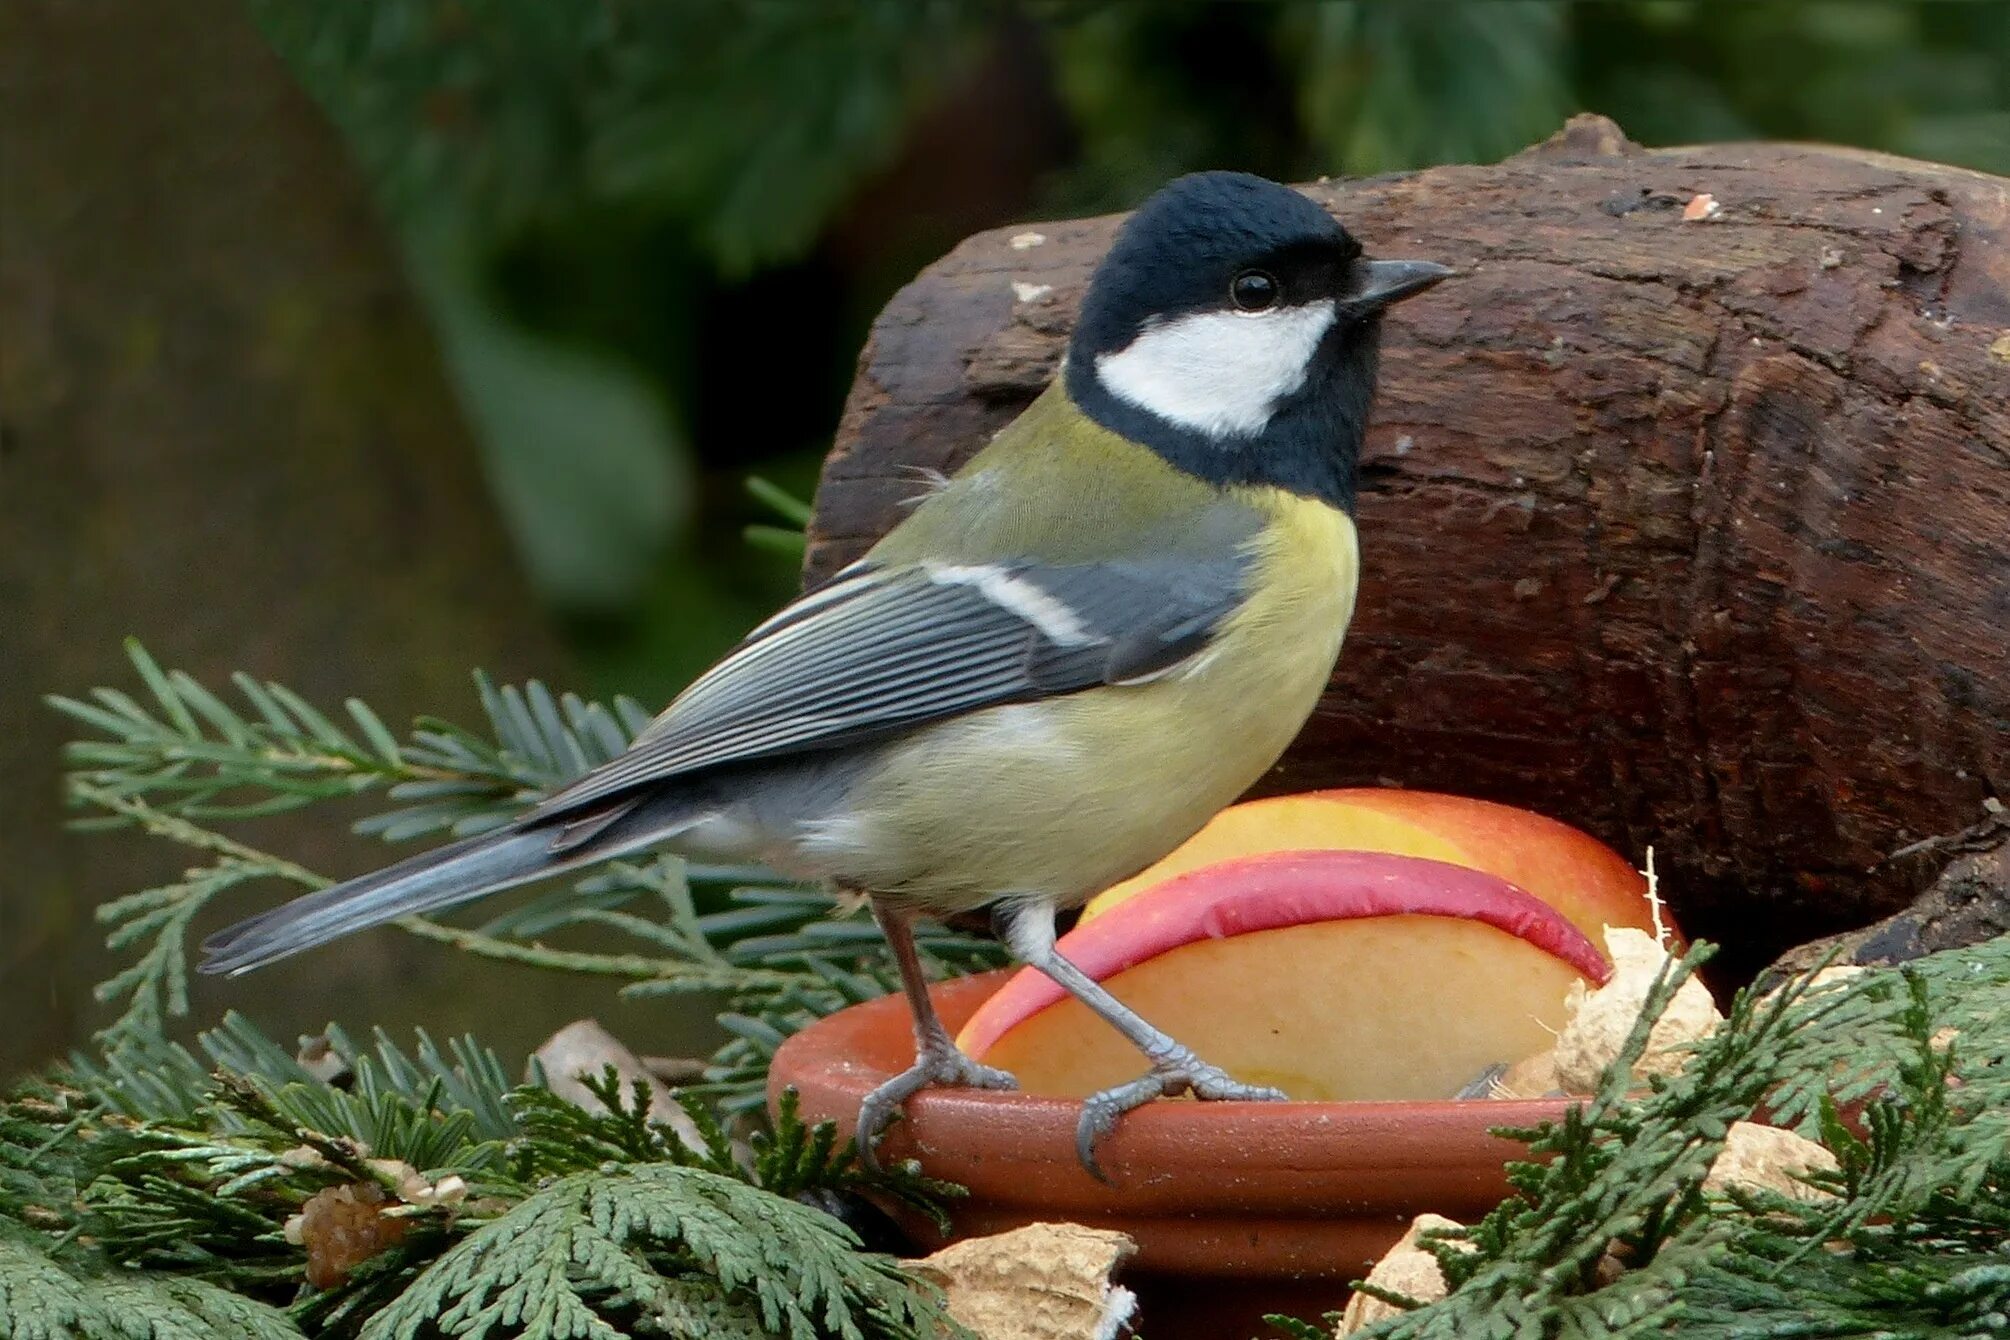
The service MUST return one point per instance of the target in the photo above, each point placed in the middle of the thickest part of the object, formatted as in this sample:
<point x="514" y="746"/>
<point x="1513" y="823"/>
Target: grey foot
<point x="946" y="1066"/>
<point x="1482" y="1084"/>
<point x="1181" y="1073"/>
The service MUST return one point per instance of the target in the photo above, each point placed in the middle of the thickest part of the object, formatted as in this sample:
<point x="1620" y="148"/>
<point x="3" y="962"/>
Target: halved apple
<point x="1329" y="974"/>
<point x="1581" y="877"/>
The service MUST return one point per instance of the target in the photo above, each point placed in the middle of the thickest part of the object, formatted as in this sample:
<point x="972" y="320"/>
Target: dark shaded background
<point x="358" y="344"/>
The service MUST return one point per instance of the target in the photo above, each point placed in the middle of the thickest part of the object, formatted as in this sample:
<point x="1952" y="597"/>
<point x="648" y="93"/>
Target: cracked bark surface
<point x="1967" y="904"/>
<point x="1694" y="532"/>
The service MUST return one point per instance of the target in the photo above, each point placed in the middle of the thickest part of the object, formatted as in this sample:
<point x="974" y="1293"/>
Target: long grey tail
<point x="456" y="873"/>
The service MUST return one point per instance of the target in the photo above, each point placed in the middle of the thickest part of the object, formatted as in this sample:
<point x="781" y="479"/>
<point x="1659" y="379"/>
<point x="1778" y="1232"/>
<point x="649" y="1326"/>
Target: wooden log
<point x="1685" y="515"/>
<point x="1967" y="904"/>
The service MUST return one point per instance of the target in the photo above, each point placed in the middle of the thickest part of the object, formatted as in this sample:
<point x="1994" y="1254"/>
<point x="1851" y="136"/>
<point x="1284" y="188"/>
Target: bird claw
<point x="946" y="1066"/>
<point x="1179" y="1074"/>
<point x="1482" y="1084"/>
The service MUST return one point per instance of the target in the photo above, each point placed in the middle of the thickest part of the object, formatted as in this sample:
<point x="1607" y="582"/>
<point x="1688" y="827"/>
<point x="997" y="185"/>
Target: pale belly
<point x="1056" y="800"/>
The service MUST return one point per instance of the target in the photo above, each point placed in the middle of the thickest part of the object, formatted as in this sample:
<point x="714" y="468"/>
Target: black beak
<point x="1385" y="282"/>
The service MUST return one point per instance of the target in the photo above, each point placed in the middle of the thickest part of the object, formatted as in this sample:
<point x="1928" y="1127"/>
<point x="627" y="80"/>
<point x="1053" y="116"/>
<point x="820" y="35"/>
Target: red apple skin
<point x="1566" y="867"/>
<point x="1273" y="890"/>
<point x="1572" y="871"/>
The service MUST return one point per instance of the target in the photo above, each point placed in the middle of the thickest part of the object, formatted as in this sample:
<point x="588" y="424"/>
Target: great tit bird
<point x="1054" y="670"/>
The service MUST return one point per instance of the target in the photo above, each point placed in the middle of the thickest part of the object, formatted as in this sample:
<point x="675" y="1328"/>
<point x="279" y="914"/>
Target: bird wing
<point x="877" y="652"/>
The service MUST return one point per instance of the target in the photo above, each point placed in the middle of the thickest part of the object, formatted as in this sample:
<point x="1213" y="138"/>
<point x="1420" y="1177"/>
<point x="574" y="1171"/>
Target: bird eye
<point x="1253" y="290"/>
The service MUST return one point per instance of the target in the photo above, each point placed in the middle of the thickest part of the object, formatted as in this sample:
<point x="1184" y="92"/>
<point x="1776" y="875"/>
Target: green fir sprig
<point x="192" y="753"/>
<point x="180" y="758"/>
<point x="568" y="1221"/>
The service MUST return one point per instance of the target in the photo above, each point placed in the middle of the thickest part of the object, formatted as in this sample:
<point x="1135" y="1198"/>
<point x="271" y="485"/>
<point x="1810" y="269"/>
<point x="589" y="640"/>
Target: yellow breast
<point x="1308" y="564"/>
<point x="1058" y="799"/>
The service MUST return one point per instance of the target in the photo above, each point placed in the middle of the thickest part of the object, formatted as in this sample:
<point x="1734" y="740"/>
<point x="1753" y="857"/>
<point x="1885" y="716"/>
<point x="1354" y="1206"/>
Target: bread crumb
<point x="1597" y="1022"/>
<point x="1040" y="1282"/>
<point x="1766" y="1158"/>
<point x="1405" y="1268"/>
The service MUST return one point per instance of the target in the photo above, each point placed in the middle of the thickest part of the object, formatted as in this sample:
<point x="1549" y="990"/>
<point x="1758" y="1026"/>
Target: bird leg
<point x="1028" y="931"/>
<point x="937" y="1059"/>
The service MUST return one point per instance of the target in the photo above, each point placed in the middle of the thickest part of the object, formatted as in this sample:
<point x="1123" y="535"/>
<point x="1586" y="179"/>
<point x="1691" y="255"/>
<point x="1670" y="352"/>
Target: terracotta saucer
<point x="1234" y="1206"/>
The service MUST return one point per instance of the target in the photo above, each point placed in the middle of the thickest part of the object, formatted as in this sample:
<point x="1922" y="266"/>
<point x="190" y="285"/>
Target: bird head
<point x="1233" y="327"/>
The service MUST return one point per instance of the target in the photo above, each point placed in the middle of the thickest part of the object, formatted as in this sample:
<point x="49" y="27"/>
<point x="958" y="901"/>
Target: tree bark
<point x="1684" y="514"/>
<point x="1967" y="904"/>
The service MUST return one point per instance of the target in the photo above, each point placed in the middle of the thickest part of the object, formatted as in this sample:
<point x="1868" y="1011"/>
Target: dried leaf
<point x="341" y="1228"/>
<point x="583" y="1047"/>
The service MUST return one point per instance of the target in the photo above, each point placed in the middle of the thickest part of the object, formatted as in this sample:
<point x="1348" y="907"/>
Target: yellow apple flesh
<point x="1331" y="975"/>
<point x="1592" y="885"/>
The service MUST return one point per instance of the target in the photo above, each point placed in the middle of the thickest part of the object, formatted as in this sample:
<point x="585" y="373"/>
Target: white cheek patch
<point x="1219" y="373"/>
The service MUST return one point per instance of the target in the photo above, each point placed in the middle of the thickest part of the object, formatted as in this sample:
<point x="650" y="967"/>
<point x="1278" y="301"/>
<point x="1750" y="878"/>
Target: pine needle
<point x="782" y="955"/>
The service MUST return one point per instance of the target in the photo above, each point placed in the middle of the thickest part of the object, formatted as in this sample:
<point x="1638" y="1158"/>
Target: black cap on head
<point x="1232" y="329"/>
<point x="1182" y="249"/>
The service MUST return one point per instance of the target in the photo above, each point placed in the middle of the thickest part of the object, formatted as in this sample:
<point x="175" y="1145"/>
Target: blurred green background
<point x="650" y="236"/>
<point x="563" y="275"/>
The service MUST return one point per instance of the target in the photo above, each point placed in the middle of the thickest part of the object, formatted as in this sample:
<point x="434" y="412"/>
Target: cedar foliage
<point x="1615" y="1236"/>
<point x="174" y="1181"/>
<point x="156" y="1190"/>
<point x="146" y="1189"/>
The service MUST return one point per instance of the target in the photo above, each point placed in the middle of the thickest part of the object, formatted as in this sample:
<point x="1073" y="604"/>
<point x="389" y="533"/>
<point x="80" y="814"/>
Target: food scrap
<point x="1407" y="1268"/>
<point x="1598" y="1021"/>
<point x="1765" y="1158"/>
<point x="342" y="1227"/>
<point x="1040" y="1282"/>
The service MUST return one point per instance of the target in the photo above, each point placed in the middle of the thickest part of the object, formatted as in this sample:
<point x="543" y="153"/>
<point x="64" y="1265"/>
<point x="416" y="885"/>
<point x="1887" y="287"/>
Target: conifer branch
<point x="599" y="1253"/>
<point x="195" y="755"/>
<point x="1613" y="1235"/>
<point x="179" y="1190"/>
<point x="782" y="954"/>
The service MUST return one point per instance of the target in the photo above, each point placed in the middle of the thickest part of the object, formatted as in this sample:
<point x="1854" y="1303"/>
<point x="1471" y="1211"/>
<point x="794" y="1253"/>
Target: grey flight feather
<point x="868" y="656"/>
<point x="879" y="653"/>
<point x="459" y="872"/>
<point x="422" y="883"/>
